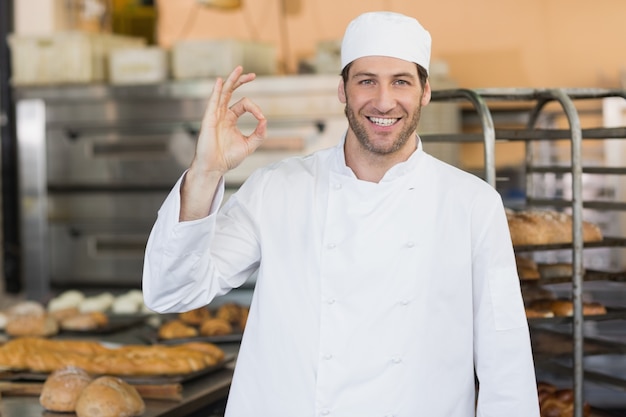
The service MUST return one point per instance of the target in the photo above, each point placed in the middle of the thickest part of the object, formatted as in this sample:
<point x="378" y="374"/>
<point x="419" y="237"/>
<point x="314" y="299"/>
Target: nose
<point x="385" y="99"/>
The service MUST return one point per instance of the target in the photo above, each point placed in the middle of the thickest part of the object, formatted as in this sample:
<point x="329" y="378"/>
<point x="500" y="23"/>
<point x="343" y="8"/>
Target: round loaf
<point x="109" y="396"/>
<point x="61" y="389"/>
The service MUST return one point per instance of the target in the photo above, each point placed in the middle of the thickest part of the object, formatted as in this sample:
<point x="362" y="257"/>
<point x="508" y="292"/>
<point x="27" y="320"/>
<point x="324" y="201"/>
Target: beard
<point x="360" y="131"/>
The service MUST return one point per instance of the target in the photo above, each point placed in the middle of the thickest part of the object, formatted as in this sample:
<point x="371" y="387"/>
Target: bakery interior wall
<point x="483" y="43"/>
<point x="486" y="43"/>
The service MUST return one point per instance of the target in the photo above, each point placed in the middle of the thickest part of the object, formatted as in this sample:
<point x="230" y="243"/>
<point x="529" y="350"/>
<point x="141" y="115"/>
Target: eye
<point x="402" y="82"/>
<point x="366" y="82"/>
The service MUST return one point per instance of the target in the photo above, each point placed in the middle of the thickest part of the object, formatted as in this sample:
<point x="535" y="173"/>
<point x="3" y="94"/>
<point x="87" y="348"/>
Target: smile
<point x="382" y="121"/>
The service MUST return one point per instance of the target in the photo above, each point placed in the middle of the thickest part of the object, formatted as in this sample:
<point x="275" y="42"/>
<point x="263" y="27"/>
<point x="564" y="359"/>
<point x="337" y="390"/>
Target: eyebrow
<point x="397" y="75"/>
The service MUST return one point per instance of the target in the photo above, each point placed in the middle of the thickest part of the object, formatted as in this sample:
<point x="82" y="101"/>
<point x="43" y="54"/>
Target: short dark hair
<point x="421" y="73"/>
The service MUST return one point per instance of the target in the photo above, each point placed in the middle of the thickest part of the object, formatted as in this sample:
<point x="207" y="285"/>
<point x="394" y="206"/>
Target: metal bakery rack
<point x="536" y="105"/>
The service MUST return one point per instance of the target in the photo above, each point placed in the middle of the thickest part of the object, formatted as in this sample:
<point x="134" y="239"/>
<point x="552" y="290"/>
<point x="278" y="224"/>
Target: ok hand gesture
<point x="221" y="145"/>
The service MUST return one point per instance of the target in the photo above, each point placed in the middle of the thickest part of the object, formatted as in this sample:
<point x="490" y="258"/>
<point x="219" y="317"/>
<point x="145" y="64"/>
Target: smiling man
<point x="386" y="282"/>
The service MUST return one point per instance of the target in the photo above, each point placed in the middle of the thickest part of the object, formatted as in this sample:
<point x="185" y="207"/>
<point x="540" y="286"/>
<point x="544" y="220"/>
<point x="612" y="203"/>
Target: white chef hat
<point x="386" y="34"/>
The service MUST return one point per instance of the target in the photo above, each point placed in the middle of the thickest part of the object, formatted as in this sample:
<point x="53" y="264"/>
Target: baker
<point x="386" y="284"/>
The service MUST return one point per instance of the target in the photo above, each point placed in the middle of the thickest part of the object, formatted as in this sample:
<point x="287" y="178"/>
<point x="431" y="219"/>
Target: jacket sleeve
<point x="188" y="264"/>
<point x="502" y="349"/>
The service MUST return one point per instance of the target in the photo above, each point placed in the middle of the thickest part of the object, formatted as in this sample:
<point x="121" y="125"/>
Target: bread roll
<point x="231" y="312"/>
<point x="63" y="313"/>
<point x="68" y="299"/>
<point x="35" y="325"/>
<point x="61" y="389"/>
<point x="101" y="303"/>
<point x="215" y="327"/>
<point x="109" y="396"/>
<point x="176" y="329"/>
<point x="84" y="321"/>
<point x="195" y="316"/>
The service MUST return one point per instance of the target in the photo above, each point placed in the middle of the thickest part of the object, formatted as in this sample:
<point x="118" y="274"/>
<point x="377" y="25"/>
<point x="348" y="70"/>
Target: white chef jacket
<point x="372" y="299"/>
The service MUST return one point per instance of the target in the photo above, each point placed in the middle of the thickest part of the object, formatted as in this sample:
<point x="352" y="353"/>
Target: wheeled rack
<point x="535" y="101"/>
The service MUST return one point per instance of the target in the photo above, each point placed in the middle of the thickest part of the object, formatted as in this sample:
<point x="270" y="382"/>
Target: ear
<point x="341" y="92"/>
<point x="427" y="93"/>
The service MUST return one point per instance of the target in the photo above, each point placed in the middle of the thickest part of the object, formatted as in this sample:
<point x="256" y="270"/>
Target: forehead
<point x="382" y="66"/>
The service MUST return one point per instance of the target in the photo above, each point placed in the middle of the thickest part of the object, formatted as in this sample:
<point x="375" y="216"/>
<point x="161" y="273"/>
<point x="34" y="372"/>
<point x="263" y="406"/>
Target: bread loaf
<point x="61" y="389"/>
<point x="526" y="268"/>
<point x="562" y="308"/>
<point x="543" y="227"/>
<point x="45" y="355"/>
<point x="109" y="396"/>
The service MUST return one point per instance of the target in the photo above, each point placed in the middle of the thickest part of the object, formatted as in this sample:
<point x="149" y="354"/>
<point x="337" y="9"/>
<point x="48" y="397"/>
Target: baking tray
<point x="234" y="337"/>
<point x="612" y="313"/>
<point x="606" y="242"/>
<point x="116" y="323"/>
<point x="15" y="376"/>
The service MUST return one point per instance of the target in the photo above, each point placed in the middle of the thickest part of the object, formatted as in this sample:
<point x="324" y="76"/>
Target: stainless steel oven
<point x="96" y="162"/>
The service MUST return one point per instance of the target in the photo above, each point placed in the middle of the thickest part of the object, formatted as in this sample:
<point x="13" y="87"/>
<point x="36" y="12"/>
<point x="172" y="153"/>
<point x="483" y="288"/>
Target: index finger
<point x="234" y="81"/>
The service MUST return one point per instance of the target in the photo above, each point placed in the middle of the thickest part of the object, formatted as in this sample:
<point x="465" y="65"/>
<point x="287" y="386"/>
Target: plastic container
<point x="138" y="65"/>
<point x="64" y="57"/>
<point x="211" y="58"/>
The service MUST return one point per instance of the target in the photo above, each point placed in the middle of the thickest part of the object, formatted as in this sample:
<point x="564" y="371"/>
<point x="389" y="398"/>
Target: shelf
<point x="597" y="205"/>
<point x="607" y="242"/>
<point x="590" y="275"/>
<point x="612" y="314"/>
<point x="568" y="170"/>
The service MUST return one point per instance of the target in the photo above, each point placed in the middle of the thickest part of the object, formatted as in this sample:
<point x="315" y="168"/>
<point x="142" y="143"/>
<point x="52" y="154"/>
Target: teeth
<point x="383" y="122"/>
